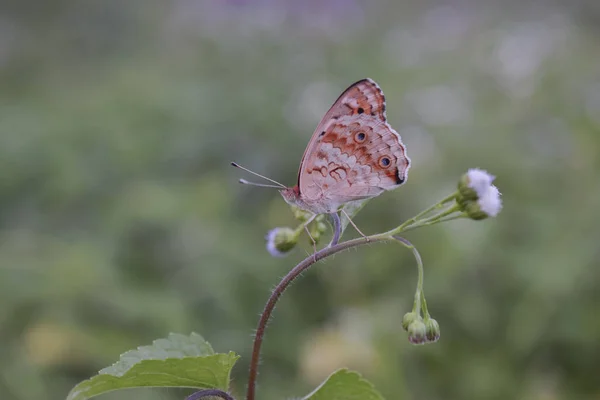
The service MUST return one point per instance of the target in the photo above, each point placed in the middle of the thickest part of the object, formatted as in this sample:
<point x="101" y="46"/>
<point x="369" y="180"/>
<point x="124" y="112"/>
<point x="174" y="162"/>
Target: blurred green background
<point x="121" y="219"/>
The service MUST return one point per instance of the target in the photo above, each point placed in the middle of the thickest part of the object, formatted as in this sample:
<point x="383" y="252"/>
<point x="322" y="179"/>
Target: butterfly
<point x="353" y="155"/>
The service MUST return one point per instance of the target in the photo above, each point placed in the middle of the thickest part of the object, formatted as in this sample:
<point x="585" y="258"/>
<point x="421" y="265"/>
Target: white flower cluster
<point x="488" y="195"/>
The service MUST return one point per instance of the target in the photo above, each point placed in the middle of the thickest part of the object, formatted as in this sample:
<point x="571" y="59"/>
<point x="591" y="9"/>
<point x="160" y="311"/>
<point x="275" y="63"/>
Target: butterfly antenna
<point x="279" y="185"/>
<point x="245" y="182"/>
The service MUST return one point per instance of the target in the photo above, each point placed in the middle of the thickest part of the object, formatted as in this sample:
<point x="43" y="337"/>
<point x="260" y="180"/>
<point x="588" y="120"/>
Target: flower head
<point x="280" y="241"/>
<point x="408" y="319"/>
<point x="477" y="196"/>
<point x="479" y="180"/>
<point x="432" y="330"/>
<point x="417" y="332"/>
<point x="490" y="202"/>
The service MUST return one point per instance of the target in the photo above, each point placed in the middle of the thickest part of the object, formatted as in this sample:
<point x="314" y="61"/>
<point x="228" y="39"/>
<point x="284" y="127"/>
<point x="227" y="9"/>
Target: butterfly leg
<point x="354" y="225"/>
<point x="314" y="242"/>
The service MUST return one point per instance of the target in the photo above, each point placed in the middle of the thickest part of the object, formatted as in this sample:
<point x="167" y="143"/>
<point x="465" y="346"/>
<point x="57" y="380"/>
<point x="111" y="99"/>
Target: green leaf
<point x="177" y="361"/>
<point x="345" y="385"/>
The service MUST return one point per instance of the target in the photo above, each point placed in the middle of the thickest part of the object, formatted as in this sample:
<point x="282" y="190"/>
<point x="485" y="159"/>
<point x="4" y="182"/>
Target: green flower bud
<point x="300" y="214"/>
<point x="321" y="227"/>
<point x="432" y="330"/>
<point x="417" y="332"/>
<point x="314" y="234"/>
<point x="466" y="192"/>
<point x="317" y="228"/>
<point x="408" y="319"/>
<point x="280" y="241"/>
<point x="473" y="210"/>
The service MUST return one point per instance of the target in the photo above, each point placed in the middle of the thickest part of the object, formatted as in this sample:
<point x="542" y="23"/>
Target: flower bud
<point x="321" y="227"/>
<point x="477" y="197"/>
<point x="432" y="330"/>
<point x="417" y="332"/>
<point x="300" y="214"/>
<point x="317" y="229"/>
<point x="466" y="192"/>
<point x="280" y="241"/>
<point x="473" y="210"/>
<point x="315" y="234"/>
<point x="408" y="319"/>
<point x="474" y="183"/>
<point x="488" y="205"/>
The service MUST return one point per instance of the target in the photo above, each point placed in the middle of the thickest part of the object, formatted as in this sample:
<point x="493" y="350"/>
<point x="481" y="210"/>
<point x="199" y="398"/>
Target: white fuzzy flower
<point x="480" y="181"/>
<point x="490" y="202"/>
<point x="477" y="196"/>
<point x="280" y="241"/>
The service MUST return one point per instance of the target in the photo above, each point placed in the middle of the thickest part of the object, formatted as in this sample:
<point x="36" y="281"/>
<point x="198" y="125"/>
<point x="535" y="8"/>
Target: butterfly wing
<point x="364" y="97"/>
<point x="356" y="158"/>
<point x="354" y="154"/>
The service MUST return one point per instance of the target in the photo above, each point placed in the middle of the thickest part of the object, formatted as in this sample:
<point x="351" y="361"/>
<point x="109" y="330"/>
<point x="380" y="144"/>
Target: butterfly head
<point x="291" y="195"/>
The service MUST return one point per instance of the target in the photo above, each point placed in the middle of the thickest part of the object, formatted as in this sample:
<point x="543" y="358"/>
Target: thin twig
<point x="278" y="291"/>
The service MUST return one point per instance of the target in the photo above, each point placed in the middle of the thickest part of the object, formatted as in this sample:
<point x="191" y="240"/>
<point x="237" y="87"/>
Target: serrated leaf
<point x="351" y="208"/>
<point x="175" y="346"/>
<point x="344" y="384"/>
<point x="177" y="361"/>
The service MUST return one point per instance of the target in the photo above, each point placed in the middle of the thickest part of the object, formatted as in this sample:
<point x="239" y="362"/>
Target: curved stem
<point x="419" y="292"/>
<point x="333" y="248"/>
<point x="209" y="393"/>
<point x="278" y="291"/>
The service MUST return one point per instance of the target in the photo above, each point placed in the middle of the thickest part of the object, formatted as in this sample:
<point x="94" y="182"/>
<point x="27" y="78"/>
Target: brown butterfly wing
<point x="364" y="97"/>
<point x="354" y="153"/>
<point x="356" y="158"/>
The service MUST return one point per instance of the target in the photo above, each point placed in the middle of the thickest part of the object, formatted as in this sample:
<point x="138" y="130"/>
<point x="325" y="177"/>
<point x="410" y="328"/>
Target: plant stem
<point x="278" y="291"/>
<point x="445" y="213"/>
<point x="406" y="225"/>
<point x="426" y="315"/>
<point x="434" y="221"/>
<point x="334" y="248"/>
<point x="419" y="292"/>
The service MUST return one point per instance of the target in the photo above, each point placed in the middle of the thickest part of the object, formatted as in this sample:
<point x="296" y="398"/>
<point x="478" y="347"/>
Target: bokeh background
<point x="121" y="219"/>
